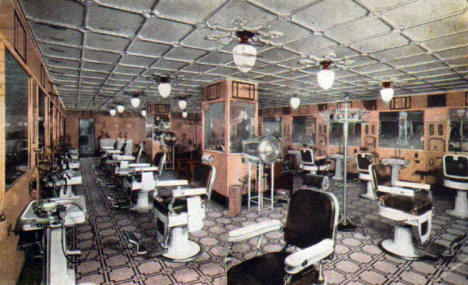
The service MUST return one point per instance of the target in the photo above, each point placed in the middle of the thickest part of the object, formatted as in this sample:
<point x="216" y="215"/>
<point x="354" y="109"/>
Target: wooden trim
<point x="238" y="86"/>
<point x="398" y="103"/>
<point x="20" y="38"/>
<point x="2" y="126"/>
<point x="212" y="92"/>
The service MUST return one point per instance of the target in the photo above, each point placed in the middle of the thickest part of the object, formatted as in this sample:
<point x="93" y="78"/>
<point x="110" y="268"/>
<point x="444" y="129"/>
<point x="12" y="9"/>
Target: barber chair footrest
<point x="134" y="241"/>
<point x="432" y="250"/>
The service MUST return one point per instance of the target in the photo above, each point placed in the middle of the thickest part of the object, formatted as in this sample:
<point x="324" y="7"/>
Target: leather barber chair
<point x="456" y="177"/>
<point x="310" y="228"/>
<point x="180" y="209"/>
<point x="363" y="161"/>
<point x="405" y="208"/>
<point x="309" y="163"/>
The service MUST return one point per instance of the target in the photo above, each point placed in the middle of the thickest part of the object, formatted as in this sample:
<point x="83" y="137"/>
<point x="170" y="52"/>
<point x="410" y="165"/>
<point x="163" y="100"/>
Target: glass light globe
<point x="325" y="78"/>
<point x="120" y="108"/>
<point x="295" y="102"/>
<point x="386" y="94"/>
<point x="143" y="113"/>
<point x="184" y="114"/>
<point x="112" y="111"/>
<point x="182" y="104"/>
<point x="244" y="56"/>
<point x="164" y="89"/>
<point x="135" y="102"/>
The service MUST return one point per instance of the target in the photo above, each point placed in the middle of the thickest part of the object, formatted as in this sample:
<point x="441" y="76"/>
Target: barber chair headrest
<point x="363" y="161"/>
<point x="456" y="166"/>
<point x="208" y="158"/>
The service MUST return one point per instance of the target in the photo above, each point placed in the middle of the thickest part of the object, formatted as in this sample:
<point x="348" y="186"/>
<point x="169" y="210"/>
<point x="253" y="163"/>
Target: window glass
<point x="272" y="127"/>
<point x="41" y="118"/>
<point x="242" y="124"/>
<point x="402" y="129"/>
<point x="214" y="126"/>
<point x="354" y="134"/>
<point x="304" y="130"/>
<point x="16" y="102"/>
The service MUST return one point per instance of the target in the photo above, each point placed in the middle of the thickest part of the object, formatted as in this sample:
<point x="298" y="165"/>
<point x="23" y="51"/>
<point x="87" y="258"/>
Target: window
<point x="272" y="127"/>
<point x="214" y="127"/>
<point x="41" y="118"/>
<point x="402" y="130"/>
<point x="16" y="103"/>
<point x="354" y="134"/>
<point x="303" y="130"/>
<point x="242" y="124"/>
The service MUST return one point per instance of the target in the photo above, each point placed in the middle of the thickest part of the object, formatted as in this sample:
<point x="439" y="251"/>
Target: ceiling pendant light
<point x="112" y="111"/>
<point x="184" y="114"/>
<point x="164" y="87"/>
<point x="135" y="101"/>
<point x="120" y="108"/>
<point x="182" y="104"/>
<point x="326" y="76"/>
<point x="244" y="54"/>
<point x="386" y="93"/>
<point x="295" y="102"/>
<point x="143" y="112"/>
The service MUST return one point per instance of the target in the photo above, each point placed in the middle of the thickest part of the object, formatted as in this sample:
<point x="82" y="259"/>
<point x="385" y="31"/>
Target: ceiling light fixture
<point x="295" y="102"/>
<point x="143" y="112"/>
<point x="326" y="76"/>
<point x="120" y="108"/>
<point x="184" y="114"/>
<point x="164" y="87"/>
<point x="112" y="111"/>
<point x="135" y="101"/>
<point x="386" y="93"/>
<point x="182" y="104"/>
<point x="244" y="54"/>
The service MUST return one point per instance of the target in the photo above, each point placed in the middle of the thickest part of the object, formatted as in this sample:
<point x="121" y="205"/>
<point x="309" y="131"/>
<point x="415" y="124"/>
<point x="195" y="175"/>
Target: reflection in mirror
<point x="41" y="118"/>
<point x="214" y="126"/>
<point x="458" y="130"/>
<point x="402" y="129"/>
<point x="272" y="127"/>
<point x="242" y="124"/>
<point x="354" y="134"/>
<point x="303" y="130"/>
<point x="16" y="106"/>
<point x="161" y="124"/>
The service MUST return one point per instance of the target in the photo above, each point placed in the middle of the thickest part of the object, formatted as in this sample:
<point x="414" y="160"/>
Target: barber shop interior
<point x="240" y="142"/>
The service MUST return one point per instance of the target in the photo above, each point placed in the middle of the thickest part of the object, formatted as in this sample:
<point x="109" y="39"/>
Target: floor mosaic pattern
<point x="358" y="259"/>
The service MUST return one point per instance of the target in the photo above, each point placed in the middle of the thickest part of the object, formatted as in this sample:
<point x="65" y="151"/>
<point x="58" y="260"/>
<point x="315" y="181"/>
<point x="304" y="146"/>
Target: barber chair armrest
<point x="303" y="258"/>
<point x="253" y="230"/>
<point x="134" y="165"/>
<point x="413" y="185"/>
<point x="113" y="151"/>
<point x="396" y="190"/>
<point x="172" y="183"/>
<point x="187" y="192"/>
<point x="124" y="157"/>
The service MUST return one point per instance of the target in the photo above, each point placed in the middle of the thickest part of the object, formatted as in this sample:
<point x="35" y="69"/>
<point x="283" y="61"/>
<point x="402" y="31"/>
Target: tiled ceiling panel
<point x="99" y="50"/>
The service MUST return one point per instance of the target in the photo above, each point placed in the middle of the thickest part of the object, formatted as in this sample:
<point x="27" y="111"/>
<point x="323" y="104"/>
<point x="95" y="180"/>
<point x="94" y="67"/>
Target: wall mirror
<point x="16" y="103"/>
<point x="402" y="129"/>
<point x="337" y="135"/>
<point x="272" y="127"/>
<point x="303" y="130"/>
<point x="458" y="140"/>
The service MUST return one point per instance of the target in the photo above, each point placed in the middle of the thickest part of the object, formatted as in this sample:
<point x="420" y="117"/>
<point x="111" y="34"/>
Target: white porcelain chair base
<point x="401" y="245"/>
<point x="461" y="206"/>
<point x="143" y="204"/>
<point x="181" y="249"/>
<point x="369" y="193"/>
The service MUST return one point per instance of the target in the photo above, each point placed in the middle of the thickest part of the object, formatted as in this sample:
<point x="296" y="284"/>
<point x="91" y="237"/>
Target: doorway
<point x="86" y="137"/>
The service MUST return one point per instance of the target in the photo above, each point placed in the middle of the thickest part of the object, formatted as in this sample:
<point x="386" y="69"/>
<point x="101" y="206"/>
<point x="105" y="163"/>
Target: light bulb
<point x="120" y="108"/>
<point x="135" y="101"/>
<point x="184" y="114"/>
<point x="325" y="78"/>
<point x="143" y="113"/>
<point x="244" y="56"/>
<point x="386" y="94"/>
<point x="182" y="104"/>
<point x="112" y="111"/>
<point x="295" y="102"/>
<point x="164" y="89"/>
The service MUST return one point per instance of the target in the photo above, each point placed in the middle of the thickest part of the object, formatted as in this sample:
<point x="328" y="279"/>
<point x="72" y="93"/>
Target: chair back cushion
<point x="159" y="161"/>
<point x="307" y="155"/>
<point x="456" y="166"/>
<point x="311" y="218"/>
<point x="363" y="161"/>
<point x="201" y="175"/>
<point x="381" y="175"/>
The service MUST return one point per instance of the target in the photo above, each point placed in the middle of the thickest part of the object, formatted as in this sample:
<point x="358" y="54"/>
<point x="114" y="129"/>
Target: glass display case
<point x="458" y="140"/>
<point x="402" y="129"/>
<point x="214" y="127"/>
<point x="336" y="134"/>
<point x="272" y="127"/>
<point x="162" y="123"/>
<point x="41" y="118"/>
<point x="242" y="123"/>
<point x="16" y="103"/>
<point x="303" y="130"/>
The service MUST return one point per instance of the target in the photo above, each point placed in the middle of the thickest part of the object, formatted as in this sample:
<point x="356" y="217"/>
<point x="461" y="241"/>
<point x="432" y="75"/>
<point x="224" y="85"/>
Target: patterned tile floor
<point x="358" y="259"/>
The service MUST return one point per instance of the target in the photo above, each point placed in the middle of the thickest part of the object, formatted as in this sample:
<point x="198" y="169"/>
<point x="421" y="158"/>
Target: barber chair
<point x="405" y="208"/>
<point x="456" y="177"/>
<point x="310" y="228"/>
<point x="309" y="163"/>
<point x="180" y="209"/>
<point x="363" y="161"/>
